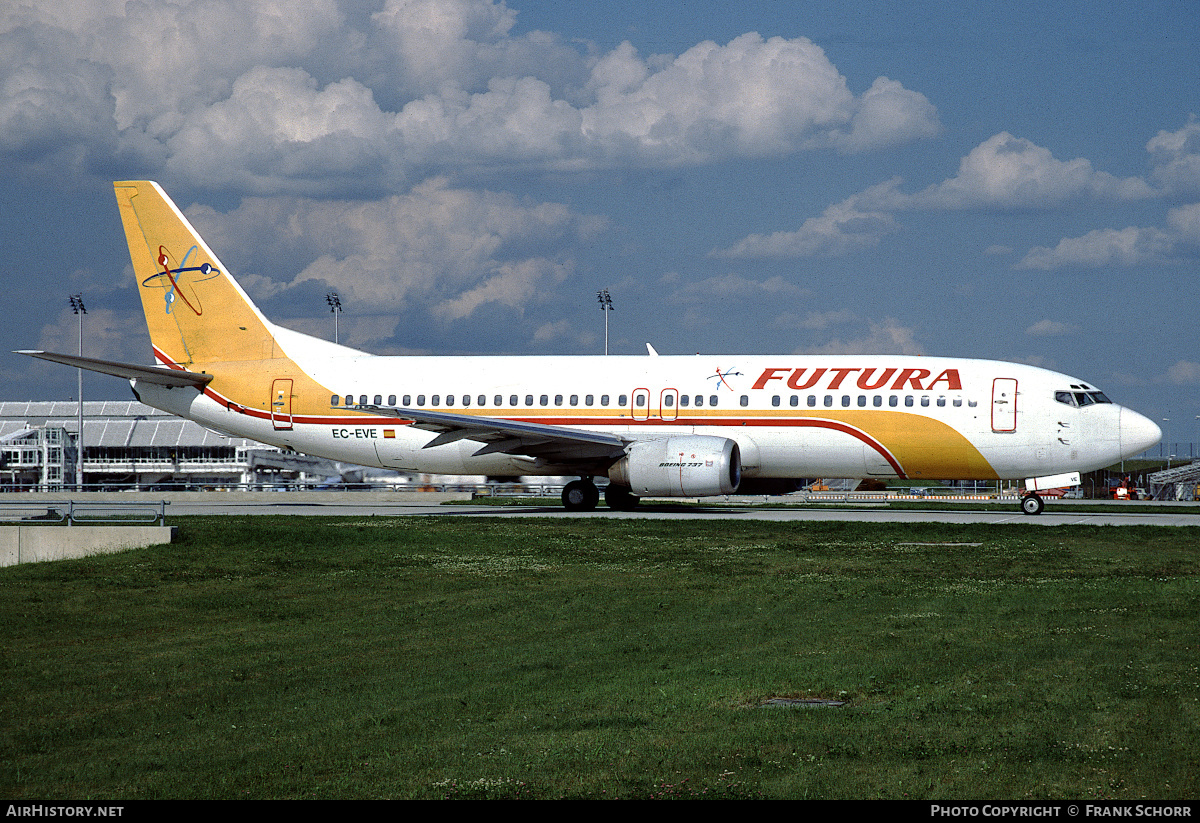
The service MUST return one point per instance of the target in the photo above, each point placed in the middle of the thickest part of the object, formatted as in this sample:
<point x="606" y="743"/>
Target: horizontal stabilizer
<point x="171" y="378"/>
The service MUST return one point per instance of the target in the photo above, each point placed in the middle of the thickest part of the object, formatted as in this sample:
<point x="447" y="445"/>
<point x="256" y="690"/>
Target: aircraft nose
<point x="1138" y="433"/>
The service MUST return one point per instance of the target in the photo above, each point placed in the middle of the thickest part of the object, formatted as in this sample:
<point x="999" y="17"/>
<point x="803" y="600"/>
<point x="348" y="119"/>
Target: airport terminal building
<point x="128" y="445"/>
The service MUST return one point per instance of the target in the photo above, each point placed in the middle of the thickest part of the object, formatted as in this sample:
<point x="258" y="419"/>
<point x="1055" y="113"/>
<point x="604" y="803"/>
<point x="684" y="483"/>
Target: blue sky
<point x="1015" y="181"/>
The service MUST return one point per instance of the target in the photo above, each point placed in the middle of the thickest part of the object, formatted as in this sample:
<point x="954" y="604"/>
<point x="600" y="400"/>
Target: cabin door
<point x="1004" y="404"/>
<point x="281" y="404"/>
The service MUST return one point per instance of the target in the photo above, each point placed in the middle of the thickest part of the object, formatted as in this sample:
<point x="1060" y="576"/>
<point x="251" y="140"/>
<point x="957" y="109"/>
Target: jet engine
<point x="684" y="466"/>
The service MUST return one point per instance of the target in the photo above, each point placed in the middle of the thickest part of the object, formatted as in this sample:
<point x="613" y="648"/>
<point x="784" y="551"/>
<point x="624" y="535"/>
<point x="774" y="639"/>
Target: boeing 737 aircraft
<point x="678" y="426"/>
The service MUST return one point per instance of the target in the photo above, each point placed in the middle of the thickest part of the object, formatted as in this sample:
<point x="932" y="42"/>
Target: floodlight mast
<point x="80" y="310"/>
<point x="335" y="306"/>
<point x="606" y="305"/>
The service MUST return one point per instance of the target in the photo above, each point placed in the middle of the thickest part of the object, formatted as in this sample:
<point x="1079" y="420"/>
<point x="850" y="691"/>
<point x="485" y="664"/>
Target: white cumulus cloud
<point x="282" y="94"/>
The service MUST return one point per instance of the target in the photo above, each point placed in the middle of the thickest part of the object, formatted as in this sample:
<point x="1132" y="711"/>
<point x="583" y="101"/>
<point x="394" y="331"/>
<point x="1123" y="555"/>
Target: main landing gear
<point x="1032" y="504"/>
<point x="582" y="496"/>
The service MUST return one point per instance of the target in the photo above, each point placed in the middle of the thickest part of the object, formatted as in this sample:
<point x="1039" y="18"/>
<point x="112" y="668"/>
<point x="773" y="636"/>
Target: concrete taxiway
<point x="357" y="504"/>
<point x="459" y="504"/>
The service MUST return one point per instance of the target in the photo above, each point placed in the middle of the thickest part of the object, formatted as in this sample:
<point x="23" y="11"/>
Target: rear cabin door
<point x="281" y="403"/>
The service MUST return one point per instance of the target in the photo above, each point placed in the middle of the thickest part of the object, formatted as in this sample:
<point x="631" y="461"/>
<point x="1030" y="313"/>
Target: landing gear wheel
<point x="620" y="498"/>
<point x="1032" y="504"/>
<point x="580" y="496"/>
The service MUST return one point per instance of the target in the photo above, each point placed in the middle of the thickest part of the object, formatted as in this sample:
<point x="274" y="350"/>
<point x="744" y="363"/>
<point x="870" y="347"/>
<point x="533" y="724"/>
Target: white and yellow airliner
<point x="670" y="426"/>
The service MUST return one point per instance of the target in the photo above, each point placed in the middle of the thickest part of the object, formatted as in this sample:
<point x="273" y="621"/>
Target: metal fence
<point x="74" y="512"/>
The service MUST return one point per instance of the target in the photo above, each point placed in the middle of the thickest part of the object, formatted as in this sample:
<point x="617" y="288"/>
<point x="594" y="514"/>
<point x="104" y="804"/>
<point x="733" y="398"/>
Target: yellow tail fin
<point x="196" y="312"/>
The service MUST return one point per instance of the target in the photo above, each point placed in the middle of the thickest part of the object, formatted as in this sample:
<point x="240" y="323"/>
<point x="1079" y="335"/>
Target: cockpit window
<point x="1080" y="398"/>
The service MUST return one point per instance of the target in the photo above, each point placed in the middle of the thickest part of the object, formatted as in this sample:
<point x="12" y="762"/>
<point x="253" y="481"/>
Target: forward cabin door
<point x="1004" y="404"/>
<point x="281" y="403"/>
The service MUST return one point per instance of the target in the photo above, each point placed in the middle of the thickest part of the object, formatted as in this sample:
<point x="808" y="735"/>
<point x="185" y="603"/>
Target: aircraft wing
<point x="509" y="436"/>
<point x="172" y="378"/>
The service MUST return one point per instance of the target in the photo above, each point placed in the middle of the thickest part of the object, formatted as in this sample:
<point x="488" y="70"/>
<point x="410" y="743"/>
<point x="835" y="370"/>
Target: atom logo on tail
<point x="174" y="278"/>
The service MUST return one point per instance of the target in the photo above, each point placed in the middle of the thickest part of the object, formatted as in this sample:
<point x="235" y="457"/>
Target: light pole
<point x="80" y="310"/>
<point x="335" y="306"/>
<point x="606" y="305"/>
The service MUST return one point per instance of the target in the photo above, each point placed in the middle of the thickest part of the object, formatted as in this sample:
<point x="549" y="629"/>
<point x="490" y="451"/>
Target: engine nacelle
<point x="684" y="466"/>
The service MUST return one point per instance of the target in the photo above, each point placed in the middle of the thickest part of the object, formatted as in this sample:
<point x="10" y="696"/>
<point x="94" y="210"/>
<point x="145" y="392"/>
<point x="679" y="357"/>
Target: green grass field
<point x="262" y="657"/>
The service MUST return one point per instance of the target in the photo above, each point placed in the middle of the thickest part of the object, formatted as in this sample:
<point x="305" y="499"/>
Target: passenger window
<point x="436" y="400"/>
<point x="362" y="400"/>
<point x="795" y="401"/>
<point x="587" y="400"/>
<point x="845" y="400"/>
<point x="812" y="401"/>
<point x="449" y="400"/>
<point x="622" y="399"/>
<point x="668" y="400"/>
<point x="941" y="401"/>
<point x="908" y="400"/>
<point x="545" y="398"/>
<point x="333" y="401"/>
<point x="408" y="400"/>
<point x="512" y="400"/>
<point x="604" y="400"/>
<point x="420" y="400"/>
<point x="481" y="400"/>
<point x="924" y="401"/>
<point x="699" y="400"/>
<point x="558" y="399"/>
<point x="829" y="400"/>
<point x="712" y="400"/>
<point x="466" y="401"/>
<point x="893" y="400"/>
<point x="391" y="399"/>
<point x="862" y="401"/>
<point x="574" y="400"/>
<point x="775" y="400"/>
<point x="877" y="401"/>
<point x="639" y="400"/>
<point x="744" y="400"/>
<point x="529" y="400"/>
<point x="379" y="400"/>
<point x="683" y="400"/>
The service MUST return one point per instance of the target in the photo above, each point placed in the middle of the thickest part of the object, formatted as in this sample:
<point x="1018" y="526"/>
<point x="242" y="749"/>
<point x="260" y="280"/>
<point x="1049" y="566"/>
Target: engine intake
<point x="684" y="466"/>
